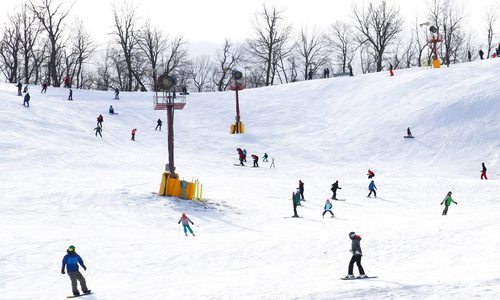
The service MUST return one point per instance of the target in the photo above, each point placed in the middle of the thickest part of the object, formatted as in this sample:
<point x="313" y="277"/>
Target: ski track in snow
<point x="61" y="185"/>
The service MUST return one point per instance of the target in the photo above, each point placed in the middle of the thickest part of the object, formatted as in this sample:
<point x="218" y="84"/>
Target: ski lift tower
<point x="433" y="42"/>
<point x="236" y="85"/>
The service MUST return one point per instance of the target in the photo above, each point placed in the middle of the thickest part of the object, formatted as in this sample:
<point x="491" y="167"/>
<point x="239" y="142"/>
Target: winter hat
<point x="71" y="248"/>
<point x="352" y="234"/>
<point x="183" y="214"/>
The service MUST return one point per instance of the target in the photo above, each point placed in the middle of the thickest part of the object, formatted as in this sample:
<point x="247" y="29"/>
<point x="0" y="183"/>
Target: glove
<point x="62" y="272"/>
<point x="85" y="268"/>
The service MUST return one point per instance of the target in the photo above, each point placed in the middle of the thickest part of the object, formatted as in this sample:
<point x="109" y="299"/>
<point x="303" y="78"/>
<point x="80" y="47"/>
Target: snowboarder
<point x="71" y="261"/>
<point x="481" y="53"/>
<point x="44" y="88"/>
<point x="158" y="124"/>
<point x="185" y="223"/>
<point x="255" y="161"/>
<point x="240" y="156"/>
<point x="245" y="155"/>
<point x="370" y="174"/>
<point x="301" y="190"/>
<point x="264" y="158"/>
<point x="70" y="97"/>
<point x="328" y="208"/>
<point x="483" y="173"/>
<point x="117" y="93"/>
<point x="27" y="98"/>
<point x="356" y="256"/>
<point x="111" y="110"/>
<point x="133" y="134"/>
<point x="19" y="87"/>
<point x="100" y="119"/>
<point x="408" y="133"/>
<point x="296" y="202"/>
<point x="447" y="202"/>
<point x="98" y="130"/>
<point x="391" y="70"/>
<point x="469" y="55"/>
<point x="334" y="188"/>
<point x="373" y="189"/>
<point x="350" y="70"/>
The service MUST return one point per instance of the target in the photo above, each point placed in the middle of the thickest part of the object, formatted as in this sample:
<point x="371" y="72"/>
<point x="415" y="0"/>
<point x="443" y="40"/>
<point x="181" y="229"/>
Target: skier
<point x="70" y="97"/>
<point x="158" y="124"/>
<point x="327" y="73"/>
<point x="350" y="70"/>
<point x="27" y="98"/>
<point x="296" y="202"/>
<point x="483" y="173"/>
<point x="245" y="155"/>
<point x="328" y="208"/>
<point x="19" y="87"/>
<point x="185" y="223"/>
<point x="301" y="190"/>
<point x="98" y="130"/>
<point x="447" y="202"/>
<point x="481" y="53"/>
<point x="264" y="158"/>
<point x="391" y="70"/>
<point x="356" y="256"/>
<point x="133" y="134"/>
<point x="370" y="174"/>
<point x="240" y="156"/>
<point x="100" y="119"/>
<point x="71" y="261"/>
<point x="469" y="55"/>
<point x="44" y="88"/>
<point x="117" y="93"/>
<point x="255" y="161"/>
<point x="111" y="110"/>
<point x="334" y="188"/>
<point x="372" y="189"/>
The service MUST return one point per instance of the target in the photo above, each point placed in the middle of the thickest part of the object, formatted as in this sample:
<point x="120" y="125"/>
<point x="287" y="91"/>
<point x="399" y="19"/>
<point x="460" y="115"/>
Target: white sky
<point x="205" y="23"/>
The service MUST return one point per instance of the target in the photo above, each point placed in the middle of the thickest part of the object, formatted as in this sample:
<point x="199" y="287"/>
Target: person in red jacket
<point x="133" y="134"/>
<point x="241" y="156"/>
<point x="255" y="160"/>
<point x="370" y="174"/>
<point x="391" y="70"/>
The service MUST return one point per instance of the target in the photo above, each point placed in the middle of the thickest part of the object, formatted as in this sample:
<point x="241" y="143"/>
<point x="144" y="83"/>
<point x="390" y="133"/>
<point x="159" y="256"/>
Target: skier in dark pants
<point x="158" y="124"/>
<point x="356" y="256"/>
<point x="481" y="53"/>
<point x="301" y="190"/>
<point x="447" y="202"/>
<point x="255" y="161"/>
<point x="98" y="130"/>
<point x="264" y="158"/>
<point x="296" y="202"/>
<point x="71" y="261"/>
<point x="483" y="173"/>
<point x="27" y="98"/>
<point x="44" y="88"/>
<point x="19" y="88"/>
<point x="334" y="188"/>
<point x="373" y="189"/>
<point x="100" y="119"/>
<point x="70" y="97"/>
<point x="370" y="174"/>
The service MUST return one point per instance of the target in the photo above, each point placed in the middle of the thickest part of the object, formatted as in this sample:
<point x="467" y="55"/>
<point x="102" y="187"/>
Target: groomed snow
<point x="61" y="185"/>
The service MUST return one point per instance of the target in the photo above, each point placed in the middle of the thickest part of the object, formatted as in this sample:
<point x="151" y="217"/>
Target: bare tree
<point x="311" y="49"/>
<point x="341" y="41"/>
<point x="226" y="59"/>
<point x="83" y="48"/>
<point x="153" y="44"/>
<point x="175" y="56"/>
<point x="200" y="72"/>
<point x="10" y="46"/>
<point x="51" y="16"/>
<point x="271" y="35"/>
<point x="29" y="31"/>
<point x="378" y="26"/>
<point x="421" y="42"/>
<point x="491" y="19"/>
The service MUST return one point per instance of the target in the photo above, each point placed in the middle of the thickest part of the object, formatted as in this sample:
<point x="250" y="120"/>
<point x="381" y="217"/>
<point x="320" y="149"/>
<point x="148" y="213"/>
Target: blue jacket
<point x="328" y="206"/>
<point x="372" y="186"/>
<point x="72" y="260"/>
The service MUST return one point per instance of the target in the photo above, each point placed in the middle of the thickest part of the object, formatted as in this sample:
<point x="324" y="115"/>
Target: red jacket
<point x="134" y="130"/>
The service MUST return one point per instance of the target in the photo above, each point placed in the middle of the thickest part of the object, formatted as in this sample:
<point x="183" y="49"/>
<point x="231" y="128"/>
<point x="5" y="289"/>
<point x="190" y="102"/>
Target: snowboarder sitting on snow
<point x="328" y="208"/>
<point x="100" y="119"/>
<point x="296" y="202"/>
<point x="71" y="261"/>
<point x="255" y="161"/>
<point x="98" y="130"/>
<point x="408" y="132"/>
<point x="370" y="174"/>
<point x="240" y="156"/>
<point x="133" y="134"/>
<point x="447" y="202"/>
<point x="27" y="98"/>
<point x="372" y="189"/>
<point x="483" y="173"/>
<point x="111" y="110"/>
<point x="158" y="124"/>
<point x="334" y="188"/>
<point x="185" y="223"/>
<point x="356" y="256"/>
<point x="264" y="158"/>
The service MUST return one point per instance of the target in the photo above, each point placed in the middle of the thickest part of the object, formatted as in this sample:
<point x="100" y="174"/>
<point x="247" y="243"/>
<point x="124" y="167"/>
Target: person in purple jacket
<point x="71" y="261"/>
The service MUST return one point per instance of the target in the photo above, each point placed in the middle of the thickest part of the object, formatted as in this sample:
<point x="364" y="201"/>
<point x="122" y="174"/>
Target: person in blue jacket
<point x="373" y="189"/>
<point x="328" y="208"/>
<point x="71" y="261"/>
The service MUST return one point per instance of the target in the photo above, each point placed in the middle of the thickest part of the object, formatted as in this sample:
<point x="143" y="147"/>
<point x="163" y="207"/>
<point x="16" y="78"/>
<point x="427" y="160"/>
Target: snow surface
<point x="61" y="185"/>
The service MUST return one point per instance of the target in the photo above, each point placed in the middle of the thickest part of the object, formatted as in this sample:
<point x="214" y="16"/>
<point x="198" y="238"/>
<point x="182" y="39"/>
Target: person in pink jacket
<point x="185" y="223"/>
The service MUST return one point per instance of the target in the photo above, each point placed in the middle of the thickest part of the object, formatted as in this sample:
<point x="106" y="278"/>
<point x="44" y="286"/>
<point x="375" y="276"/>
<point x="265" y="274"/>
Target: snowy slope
<point x="61" y="185"/>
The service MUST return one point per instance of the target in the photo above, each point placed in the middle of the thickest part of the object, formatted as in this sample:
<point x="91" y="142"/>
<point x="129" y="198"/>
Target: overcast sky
<point x="206" y="23"/>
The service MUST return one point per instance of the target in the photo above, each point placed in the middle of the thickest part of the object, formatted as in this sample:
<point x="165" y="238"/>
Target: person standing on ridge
<point x="158" y="124"/>
<point x="481" y="53"/>
<point x="391" y="70"/>
<point x="447" y="202"/>
<point x="296" y="202"/>
<point x="133" y="134"/>
<point x="334" y="188"/>
<point x="70" y="97"/>
<point x="185" y="223"/>
<point x="301" y="190"/>
<point x="483" y="173"/>
<point x="328" y="208"/>
<point x="71" y="261"/>
<point x="469" y="55"/>
<point x="255" y="161"/>
<point x="370" y="174"/>
<point x="356" y="256"/>
<point x="373" y="189"/>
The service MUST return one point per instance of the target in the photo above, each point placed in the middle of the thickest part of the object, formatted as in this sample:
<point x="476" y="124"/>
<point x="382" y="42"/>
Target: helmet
<point x="71" y="248"/>
<point x="183" y="214"/>
<point x="352" y="234"/>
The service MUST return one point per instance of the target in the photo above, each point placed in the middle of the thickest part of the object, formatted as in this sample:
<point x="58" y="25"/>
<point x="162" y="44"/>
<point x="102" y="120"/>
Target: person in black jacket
<point x="483" y="173"/>
<point x="481" y="53"/>
<point x="356" y="256"/>
<point x="19" y="88"/>
<point x="27" y="98"/>
<point x="301" y="190"/>
<point x="70" y="96"/>
<point x="158" y="124"/>
<point x="334" y="188"/>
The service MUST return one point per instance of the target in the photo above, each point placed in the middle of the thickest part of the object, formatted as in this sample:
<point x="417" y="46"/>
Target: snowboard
<point x="81" y="295"/>
<point x="292" y="217"/>
<point x="338" y="199"/>
<point x="238" y="165"/>
<point x="408" y="137"/>
<point x="357" y="278"/>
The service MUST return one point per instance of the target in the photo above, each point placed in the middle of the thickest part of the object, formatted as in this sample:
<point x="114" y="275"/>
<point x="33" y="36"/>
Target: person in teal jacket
<point x="328" y="208"/>
<point x="296" y="202"/>
<point x="447" y="202"/>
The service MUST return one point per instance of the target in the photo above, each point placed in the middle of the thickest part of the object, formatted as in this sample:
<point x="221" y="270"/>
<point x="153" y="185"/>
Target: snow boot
<point x="349" y="276"/>
<point x="362" y="276"/>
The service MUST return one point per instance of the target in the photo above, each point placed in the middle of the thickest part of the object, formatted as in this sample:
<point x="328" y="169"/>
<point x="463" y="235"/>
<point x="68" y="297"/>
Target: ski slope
<point x="61" y="185"/>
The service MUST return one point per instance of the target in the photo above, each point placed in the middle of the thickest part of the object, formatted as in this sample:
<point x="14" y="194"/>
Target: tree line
<point x="37" y="45"/>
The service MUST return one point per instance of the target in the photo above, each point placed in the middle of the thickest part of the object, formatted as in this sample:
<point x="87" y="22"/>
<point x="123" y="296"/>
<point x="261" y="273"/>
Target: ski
<point x="81" y="295"/>
<point x="338" y="199"/>
<point x="356" y="278"/>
